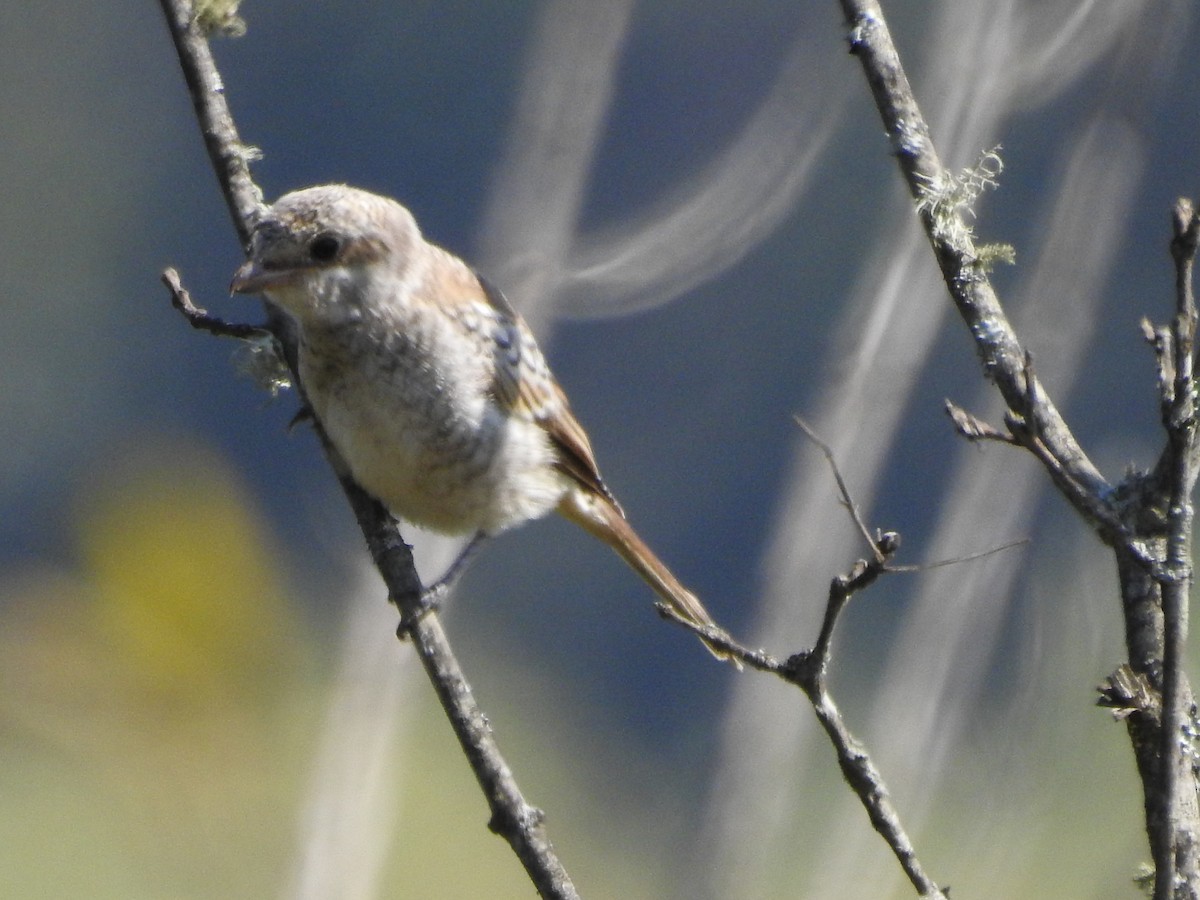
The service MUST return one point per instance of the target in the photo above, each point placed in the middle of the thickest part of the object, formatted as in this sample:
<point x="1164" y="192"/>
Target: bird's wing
<point x="525" y="386"/>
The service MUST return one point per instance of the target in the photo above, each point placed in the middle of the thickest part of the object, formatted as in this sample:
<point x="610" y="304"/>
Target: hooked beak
<point x="252" y="278"/>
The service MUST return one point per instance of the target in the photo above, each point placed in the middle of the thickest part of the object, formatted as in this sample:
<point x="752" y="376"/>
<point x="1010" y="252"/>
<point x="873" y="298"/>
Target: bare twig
<point x="972" y="427"/>
<point x="808" y="670"/>
<point x="956" y="560"/>
<point x="201" y="320"/>
<point x="862" y="776"/>
<point x="847" y="501"/>
<point x="229" y="156"/>
<point x="517" y="821"/>
<point x="885" y="544"/>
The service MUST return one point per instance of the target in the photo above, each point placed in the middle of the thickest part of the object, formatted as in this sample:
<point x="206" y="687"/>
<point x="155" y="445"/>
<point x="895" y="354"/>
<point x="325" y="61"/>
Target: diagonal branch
<point x="512" y="817"/>
<point x="229" y="156"/>
<point x="964" y="268"/>
<point x="808" y="670"/>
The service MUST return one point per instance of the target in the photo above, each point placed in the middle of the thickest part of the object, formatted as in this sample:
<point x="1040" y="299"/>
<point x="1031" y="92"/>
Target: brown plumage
<point x="428" y="382"/>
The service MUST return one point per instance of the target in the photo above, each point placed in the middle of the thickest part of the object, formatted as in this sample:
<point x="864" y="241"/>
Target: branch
<point x="808" y="671"/>
<point x="511" y="816"/>
<point x="514" y="819"/>
<point x="964" y="268"/>
<point x="230" y="158"/>
<point x="1177" y="852"/>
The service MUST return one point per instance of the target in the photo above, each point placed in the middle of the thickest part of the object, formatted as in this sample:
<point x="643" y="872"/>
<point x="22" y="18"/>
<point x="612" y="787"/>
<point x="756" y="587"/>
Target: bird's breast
<point x="418" y="428"/>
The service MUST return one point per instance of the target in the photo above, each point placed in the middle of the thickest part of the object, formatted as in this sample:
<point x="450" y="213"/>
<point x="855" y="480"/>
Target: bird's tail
<point x="602" y="518"/>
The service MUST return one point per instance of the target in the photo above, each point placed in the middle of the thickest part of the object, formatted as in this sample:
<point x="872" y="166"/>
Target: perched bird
<point x="431" y="387"/>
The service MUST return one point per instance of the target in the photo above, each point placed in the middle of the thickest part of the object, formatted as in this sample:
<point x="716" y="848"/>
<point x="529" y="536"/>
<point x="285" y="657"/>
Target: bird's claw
<point x="429" y="600"/>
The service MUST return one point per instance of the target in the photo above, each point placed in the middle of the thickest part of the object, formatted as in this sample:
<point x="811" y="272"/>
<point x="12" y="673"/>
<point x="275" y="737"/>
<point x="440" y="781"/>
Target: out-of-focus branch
<point x="511" y="816"/>
<point x="1147" y="519"/>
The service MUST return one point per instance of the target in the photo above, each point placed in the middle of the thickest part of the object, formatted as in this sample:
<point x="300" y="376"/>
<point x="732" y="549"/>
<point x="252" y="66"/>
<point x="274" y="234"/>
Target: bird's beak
<point x="252" y="278"/>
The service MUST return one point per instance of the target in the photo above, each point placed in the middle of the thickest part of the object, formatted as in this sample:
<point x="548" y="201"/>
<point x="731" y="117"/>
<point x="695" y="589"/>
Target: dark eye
<point x="324" y="248"/>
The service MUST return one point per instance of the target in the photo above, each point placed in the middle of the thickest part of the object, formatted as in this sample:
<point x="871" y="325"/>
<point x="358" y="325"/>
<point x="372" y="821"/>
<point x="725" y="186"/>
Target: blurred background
<point x="200" y="692"/>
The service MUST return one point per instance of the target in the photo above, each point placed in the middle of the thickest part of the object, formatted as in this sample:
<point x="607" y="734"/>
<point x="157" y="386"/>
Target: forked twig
<point x="808" y="670"/>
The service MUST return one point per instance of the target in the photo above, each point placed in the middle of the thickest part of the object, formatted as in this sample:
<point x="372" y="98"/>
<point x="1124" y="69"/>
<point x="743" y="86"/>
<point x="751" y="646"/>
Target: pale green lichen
<point x="948" y="200"/>
<point x="988" y="256"/>
<point x="1143" y="879"/>
<point x="218" y="17"/>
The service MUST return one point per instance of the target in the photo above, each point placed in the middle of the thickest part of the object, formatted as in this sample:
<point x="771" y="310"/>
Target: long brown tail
<point x="602" y="518"/>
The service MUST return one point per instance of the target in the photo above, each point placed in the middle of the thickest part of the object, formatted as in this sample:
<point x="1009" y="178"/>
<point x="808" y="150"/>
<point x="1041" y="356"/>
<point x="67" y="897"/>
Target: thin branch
<point x="861" y="576"/>
<point x="866" y="781"/>
<point x="201" y="320"/>
<point x="808" y="670"/>
<point x="842" y="588"/>
<point x="974" y="428"/>
<point x="885" y="544"/>
<point x="847" y="501"/>
<point x="512" y="817"/>
<point x="229" y="156"/>
<point x="956" y="560"/>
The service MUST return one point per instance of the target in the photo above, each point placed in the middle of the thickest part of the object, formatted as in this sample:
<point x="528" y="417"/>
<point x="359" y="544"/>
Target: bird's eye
<point x="324" y="247"/>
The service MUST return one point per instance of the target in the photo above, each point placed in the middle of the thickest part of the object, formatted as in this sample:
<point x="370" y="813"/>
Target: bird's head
<point x="317" y="250"/>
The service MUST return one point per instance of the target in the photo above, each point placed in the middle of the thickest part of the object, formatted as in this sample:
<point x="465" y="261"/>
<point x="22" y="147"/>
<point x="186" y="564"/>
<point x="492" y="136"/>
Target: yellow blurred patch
<point x="185" y="583"/>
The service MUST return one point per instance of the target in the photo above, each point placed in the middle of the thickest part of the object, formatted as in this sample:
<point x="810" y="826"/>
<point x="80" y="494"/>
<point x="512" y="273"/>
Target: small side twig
<point x="847" y="500"/>
<point x="972" y="427"/>
<point x="201" y="320"/>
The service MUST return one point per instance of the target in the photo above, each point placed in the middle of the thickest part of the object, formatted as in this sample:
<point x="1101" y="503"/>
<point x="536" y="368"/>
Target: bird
<point x="428" y="383"/>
